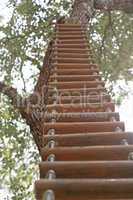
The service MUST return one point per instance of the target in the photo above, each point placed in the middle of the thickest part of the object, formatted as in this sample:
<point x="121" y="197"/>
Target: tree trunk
<point x="84" y="9"/>
<point x="125" y="5"/>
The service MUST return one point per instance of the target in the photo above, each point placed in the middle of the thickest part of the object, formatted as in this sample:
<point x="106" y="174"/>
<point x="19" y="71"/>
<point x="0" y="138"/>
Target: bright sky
<point x="128" y="117"/>
<point x="126" y="112"/>
<point x="4" y="11"/>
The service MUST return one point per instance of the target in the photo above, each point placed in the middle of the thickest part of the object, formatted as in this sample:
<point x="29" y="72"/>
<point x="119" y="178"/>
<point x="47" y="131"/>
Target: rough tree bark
<point x="33" y="108"/>
<point x="125" y="5"/>
<point x="83" y="9"/>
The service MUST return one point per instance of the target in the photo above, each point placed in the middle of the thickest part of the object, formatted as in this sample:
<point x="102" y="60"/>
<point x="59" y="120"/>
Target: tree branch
<point x="83" y="9"/>
<point x="12" y="94"/>
<point x="22" y="77"/>
<point x="125" y="5"/>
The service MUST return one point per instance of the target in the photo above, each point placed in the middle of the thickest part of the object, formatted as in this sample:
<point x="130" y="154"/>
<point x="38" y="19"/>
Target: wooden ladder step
<point x="84" y="45"/>
<point x="77" y="189"/>
<point x="66" y="32"/>
<point x="76" y="91"/>
<point x="76" y="66"/>
<point x="75" y="78"/>
<point x="80" y="99"/>
<point x="69" y="36"/>
<point x="71" y="50"/>
<point x="89" y="139"/>
<point x="79" y="117"/>
<point x="77" y="41"/>
<point x="70" y="30"/>
<point x="76" y="71"/>
<point x="73" y="55"/>
<point x="88" y="169"/>
<point x="69" y="25"/>
<point x="83" y="127"/>
<point x="91" y="153"/>
<point x="71" y="60"/>
<point x="81" y="107"/>
<point x="76" y="84"/>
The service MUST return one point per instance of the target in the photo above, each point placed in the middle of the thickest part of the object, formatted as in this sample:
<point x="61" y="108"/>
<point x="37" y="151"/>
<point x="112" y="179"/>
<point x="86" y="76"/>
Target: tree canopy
<point x="23" y="41"/>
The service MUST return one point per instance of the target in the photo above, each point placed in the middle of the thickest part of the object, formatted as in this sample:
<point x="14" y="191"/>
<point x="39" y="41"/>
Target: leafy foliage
<point x="26" y="35"/>
<point x="19" y="155"/>
<point x="111" y="37"/>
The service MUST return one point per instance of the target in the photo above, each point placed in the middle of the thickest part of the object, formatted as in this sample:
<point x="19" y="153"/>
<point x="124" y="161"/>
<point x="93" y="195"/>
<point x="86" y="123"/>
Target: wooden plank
<point x="70" y="29"/>
<point x="88" y="139"/>
<point x="81" y="107"/>
<point x="77" y="66"/>
<point x="73" y="25"/>
<point x="71" y="50"/>
<point x="112" y="152"/>
<point x="71" y="41"/>
<point x="82" y="117"/>
<point x="77" y="91"/>
<point x="64" y="33"/>
<point x="76" y="84"/>
<point x="69" y="36"/>
<point x="88" y="169"/>
<point x="75" y="78"/>
<point x="83" y="127"/>
<point x="86" y="189"/>
<point x="80" y="99"/>
<point x="82" y="46"/>
<point x="72" y="60"/>
<point x="75" y="71"/>
<point x="73" y="55"/>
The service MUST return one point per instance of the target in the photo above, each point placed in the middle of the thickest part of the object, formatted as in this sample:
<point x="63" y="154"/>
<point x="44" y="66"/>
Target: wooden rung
<point x="74" y="66"/>
<point x="75" y="78"/>
<point x="76" y="71"/>
<point x="77" y="189"/>
<point x="69" y="36"/>
<point x="89" y="139"/>
<point x="76" y="84"/>
<point x="80" y="41"/>
<point x="67" y="25"/>
<point x="73" y="55"/>
<point x="79" y="117"/>
<point x="63" y="26"/>
<point x="112" y="152"/>
<point x="83" y="127"/>
<point x="77" y="91"/>
<point x="82" y="107"/>
<point x="88" y="169"/>
<point x="76" y="32"/>
<point x="71" y="29"/>
<point x="71" y="50"/>
<point x="72" y="60"/>
<point x="80" y="99"/>
<point x="71" y="46"/>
